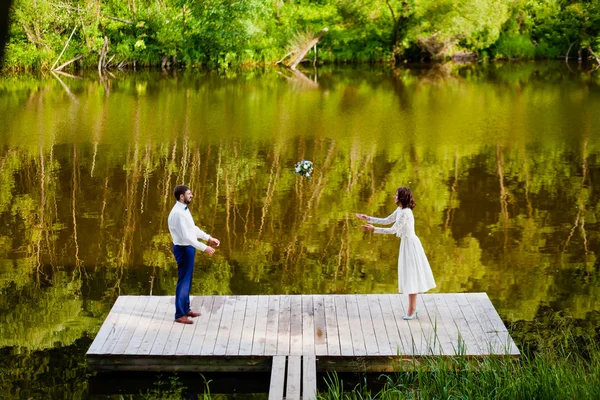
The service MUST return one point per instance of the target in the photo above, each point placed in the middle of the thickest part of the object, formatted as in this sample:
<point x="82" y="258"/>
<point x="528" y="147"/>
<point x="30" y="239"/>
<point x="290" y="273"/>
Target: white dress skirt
<point x="414" y="272"/>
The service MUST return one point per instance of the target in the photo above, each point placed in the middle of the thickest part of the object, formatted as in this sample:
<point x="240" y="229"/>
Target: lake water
<point x="503" y="160"/>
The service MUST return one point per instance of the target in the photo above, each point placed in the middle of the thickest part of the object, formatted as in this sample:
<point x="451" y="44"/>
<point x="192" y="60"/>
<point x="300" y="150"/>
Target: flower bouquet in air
<point x="304" y="168"/>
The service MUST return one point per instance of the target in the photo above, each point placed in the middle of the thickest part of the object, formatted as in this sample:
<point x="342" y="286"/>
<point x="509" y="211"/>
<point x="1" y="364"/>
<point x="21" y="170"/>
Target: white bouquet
<point x="304" y="168"/>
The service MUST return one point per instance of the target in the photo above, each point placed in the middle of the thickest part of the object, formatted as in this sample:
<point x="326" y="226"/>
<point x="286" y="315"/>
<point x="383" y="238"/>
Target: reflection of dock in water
<point x="295" y="336"/>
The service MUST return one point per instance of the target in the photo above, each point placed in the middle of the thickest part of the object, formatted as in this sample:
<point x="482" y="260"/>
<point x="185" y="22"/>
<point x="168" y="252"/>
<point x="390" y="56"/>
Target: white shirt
<point x="182" y="228"/>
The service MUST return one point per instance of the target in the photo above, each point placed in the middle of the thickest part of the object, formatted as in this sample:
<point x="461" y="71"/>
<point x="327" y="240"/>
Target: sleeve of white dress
<point x="383" y="221"/>
<point x="396" y="228"/>
<point x="200" y="234"/>
<point x="188" y="235"/>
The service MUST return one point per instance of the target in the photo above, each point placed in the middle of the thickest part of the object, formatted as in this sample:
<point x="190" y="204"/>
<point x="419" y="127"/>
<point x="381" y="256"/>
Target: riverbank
<point x="113" y="35"/>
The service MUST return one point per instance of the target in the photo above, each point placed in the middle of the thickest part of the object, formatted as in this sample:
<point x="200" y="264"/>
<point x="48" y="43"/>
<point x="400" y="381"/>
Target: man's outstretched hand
<point x="209" y="250"/>
<point x="214" y="242"/>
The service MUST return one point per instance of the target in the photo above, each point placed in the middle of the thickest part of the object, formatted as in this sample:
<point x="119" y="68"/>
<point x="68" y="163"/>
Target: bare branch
<point x="391" y="10"/>
<point x="594" y="54"/>
<point x="568" y="51"/>
<point x="286" y="56"/>
<point x="64" y="48"/>
<point x="67" y="63"/>
<point x="107" y="64"/>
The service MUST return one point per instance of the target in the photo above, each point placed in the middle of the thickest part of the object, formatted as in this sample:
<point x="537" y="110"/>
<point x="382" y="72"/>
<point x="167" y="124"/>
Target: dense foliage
<point x="222" y="33"/>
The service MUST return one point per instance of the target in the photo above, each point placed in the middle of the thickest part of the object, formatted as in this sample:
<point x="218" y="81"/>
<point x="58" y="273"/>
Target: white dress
<point x="414" y="272"/>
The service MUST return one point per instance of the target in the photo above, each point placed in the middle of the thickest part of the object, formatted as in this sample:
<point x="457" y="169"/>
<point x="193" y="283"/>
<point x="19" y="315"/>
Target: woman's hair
<point x="405" y="198"/>
<point x="179" y="190"/>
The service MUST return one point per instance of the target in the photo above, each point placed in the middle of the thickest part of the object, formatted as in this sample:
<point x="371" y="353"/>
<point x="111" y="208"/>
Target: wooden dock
<point x="340" y="332"/>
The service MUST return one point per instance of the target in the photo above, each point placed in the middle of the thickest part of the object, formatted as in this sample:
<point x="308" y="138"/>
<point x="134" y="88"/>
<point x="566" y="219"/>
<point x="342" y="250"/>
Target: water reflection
<point x="502" y="160"/>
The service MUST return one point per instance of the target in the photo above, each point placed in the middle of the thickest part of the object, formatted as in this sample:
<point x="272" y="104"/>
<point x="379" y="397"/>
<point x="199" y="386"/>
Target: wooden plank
<point x="441" y="343"/>
<point x="225" y="326"/>
<point x="491" y="341"/>
<point x="358" y="340"/>
<point x="260" y="329"/>
<point x="163" y="330"/>
<point x="272" y="326"/>
<point x="470" y="344"/>
<point x="296" y="325"/>
<point x="474" y="325"/>
<point x="249" y="326"/>
<point x="333" y="338"/>
<point x="430" y="342"/>
<point x="143" y="325"/>
<point x="320" y="340"/>
<point x="383" y="342"/>
<point x="109" y="324"/>
<point x="283" y="332"/>
<point x="212" y="329"/>
<point x="193" y="364"/>
<point x="411" y="334"/>
<point x="449" y="325"/>
<point x="389" y="320"/>
<point x="177" y="331"/>
<point x="119" y="326"/>
<point x="164" y="312"/>
<point x="308" y="325"/>
<point x="233" y="347"/>
<point x="508" y="345"/>
<point x="309" y="377"/>
<point x="186" y="337"/>
<point x="366" y="322"/>
<point x="277" y="378"/>
<point x="294" y="371"/>
<point x="201" y="326"/>
<point x="343" y="325"/>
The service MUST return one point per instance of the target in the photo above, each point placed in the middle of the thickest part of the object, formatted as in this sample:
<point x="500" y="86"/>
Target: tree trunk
<point x="103" y="52"/>
<point x="399" y="31"/>
<point x="4" y="25"/>
<point x="300" y="55"/>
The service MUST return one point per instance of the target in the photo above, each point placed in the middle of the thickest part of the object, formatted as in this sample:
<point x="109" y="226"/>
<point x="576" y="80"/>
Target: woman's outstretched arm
<point x="394" y="229"/>
<point x="380" y="221"/>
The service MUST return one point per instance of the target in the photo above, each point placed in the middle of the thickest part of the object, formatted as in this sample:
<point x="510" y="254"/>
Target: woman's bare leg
<point x="412" y="303"/>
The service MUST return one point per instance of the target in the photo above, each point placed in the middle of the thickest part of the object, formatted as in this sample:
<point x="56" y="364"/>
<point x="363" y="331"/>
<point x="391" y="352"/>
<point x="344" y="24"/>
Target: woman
<point x="414" y="272"/>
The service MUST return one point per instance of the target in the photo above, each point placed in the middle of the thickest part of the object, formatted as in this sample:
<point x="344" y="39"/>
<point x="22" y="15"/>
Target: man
<point x="185" y="242"/>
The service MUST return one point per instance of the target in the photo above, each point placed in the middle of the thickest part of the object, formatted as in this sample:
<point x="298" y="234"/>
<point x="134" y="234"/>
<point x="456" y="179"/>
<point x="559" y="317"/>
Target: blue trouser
<point x="184" y="255"/>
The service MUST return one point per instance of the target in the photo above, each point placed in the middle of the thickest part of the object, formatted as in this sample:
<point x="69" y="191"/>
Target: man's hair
<point x="179" y="190"/>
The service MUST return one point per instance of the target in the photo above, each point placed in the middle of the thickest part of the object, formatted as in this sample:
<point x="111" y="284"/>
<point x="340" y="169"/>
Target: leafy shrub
<point x="514" y="46"/>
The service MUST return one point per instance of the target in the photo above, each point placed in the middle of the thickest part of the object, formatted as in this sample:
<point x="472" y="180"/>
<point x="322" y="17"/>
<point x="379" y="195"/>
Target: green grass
<point x="554" y="373"/>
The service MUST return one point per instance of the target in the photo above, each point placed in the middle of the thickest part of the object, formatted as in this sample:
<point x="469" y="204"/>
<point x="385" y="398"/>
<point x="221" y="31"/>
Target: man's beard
<point x="187" y="201"/>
